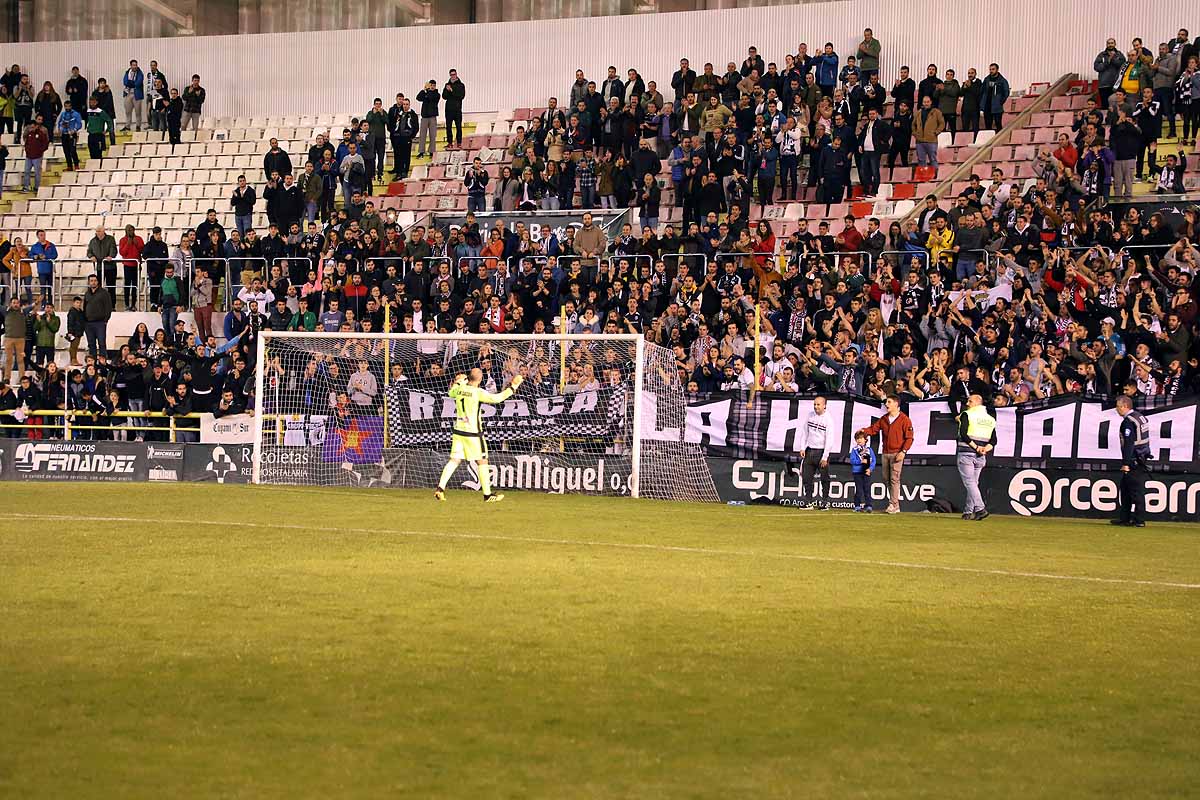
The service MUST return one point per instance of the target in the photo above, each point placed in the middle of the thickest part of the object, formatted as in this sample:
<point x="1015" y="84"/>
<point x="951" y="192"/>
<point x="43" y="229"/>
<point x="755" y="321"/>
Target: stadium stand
<point x="991" y="250"/>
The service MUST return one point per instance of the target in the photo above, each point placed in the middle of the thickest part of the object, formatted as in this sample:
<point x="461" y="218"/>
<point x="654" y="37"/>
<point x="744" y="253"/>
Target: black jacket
<point x="453" y="93"/>
<point x="881" y="135"/>
<point x="279" y="162"/>
<point x="77" y="93"/>
<point x="682" y="83"/>
<point x="289" y="205"/>
<point x="428" y="98"/>
<point x="155" y="254"/>
<point x="244" y="203"/>
<point x="905" y="91"/>
<point x="959" y="393"/>
<point x="407" y="125"/>
<point x="1126" y="140"/>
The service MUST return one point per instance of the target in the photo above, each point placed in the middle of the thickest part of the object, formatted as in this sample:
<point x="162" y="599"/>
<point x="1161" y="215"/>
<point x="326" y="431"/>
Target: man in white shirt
<point x="785" y="381"/>
<point x="745" y="375"/>
<point x="778" y="361"/>
<point x="255" y="292"/>
<point x="814" y="446"/>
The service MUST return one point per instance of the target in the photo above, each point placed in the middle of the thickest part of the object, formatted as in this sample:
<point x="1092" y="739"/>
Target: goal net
<point x="596" y="414"/>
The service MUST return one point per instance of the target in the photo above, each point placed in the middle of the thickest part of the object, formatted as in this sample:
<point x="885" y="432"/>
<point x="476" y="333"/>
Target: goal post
<point x="596" y="414"/>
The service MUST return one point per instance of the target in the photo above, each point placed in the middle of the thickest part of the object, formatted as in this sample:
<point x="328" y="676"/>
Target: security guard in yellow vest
<point x="976" y="438"/>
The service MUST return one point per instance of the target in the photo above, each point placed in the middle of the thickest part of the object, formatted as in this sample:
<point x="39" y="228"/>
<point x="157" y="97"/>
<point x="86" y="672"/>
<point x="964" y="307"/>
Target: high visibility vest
<point x="1141" y="441"/>
<point x="980" y="425"/>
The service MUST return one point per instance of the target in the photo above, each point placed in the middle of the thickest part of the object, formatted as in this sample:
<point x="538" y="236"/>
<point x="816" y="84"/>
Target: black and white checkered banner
<point x="1061" y="432"/>
<point x="425" y="418"/>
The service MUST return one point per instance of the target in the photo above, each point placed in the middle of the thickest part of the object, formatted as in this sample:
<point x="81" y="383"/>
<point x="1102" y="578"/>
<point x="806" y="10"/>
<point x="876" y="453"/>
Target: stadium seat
<point x="984" y="136"/>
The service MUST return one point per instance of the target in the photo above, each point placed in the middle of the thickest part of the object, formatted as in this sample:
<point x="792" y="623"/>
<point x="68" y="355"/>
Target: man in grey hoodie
<point x="1165" y="71"/>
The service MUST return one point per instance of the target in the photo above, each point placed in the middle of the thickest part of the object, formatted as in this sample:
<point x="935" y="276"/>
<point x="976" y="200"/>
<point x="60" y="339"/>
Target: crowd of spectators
<point x="40" y="118"/>
<point x="1016" y="293"/>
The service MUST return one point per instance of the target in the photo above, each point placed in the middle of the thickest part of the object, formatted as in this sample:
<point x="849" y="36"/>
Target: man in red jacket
<point x="37" y="142"/>
<point x="897" y="432"/>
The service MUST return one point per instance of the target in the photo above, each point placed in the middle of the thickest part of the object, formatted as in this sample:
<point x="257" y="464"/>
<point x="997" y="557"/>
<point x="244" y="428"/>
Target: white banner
<point x="234" y="429"/>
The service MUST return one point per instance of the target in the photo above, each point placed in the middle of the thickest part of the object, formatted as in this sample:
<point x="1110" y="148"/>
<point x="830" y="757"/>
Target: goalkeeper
<point x="468" y="443"/>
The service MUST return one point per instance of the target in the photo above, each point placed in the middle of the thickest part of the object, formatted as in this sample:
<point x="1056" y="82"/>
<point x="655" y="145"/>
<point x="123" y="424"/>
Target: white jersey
<point x="815" y="434"/>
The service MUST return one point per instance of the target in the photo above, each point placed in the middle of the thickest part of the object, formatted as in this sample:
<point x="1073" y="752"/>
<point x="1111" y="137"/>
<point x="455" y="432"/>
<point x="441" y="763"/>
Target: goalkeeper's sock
<point x="447" y="471"/>
<point x="485" y="479"/>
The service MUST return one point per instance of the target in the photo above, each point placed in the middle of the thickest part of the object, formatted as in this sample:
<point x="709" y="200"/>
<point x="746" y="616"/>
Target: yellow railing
<point x="68" y="423"/>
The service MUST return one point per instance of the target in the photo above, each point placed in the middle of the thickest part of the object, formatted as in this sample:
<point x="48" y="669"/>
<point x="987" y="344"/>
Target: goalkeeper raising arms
<point x="468" y="443"/>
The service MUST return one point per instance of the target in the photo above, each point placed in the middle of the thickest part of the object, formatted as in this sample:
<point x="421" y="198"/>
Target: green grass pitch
<point x="224" y="641"/>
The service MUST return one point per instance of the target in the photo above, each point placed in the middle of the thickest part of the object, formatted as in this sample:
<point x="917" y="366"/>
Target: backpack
<point x="939" y="505"/>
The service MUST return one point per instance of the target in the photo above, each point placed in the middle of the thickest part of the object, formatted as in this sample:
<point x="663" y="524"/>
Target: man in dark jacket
<point x="454" y="92"/>
<point x="1135" y="452"/>
<point x="77" y="90"/>
<point x="901" y="135"/>
<point x="427" y="134"/>
<point x="97" y="310"/>
<point x="995" y="93"/>
<point x="276" y="160"/>
<point x="154" y="256"/>
<point x="904" y="90"/>
<point x="682" y="81"/>
<point x="288" y="202"/>
<point x="403" y="124"/>
<point x="243" y="201"/>
<point x="875" y="141"/>
<point x="1126" y="142"/>
<point x="971" y="92"/>
<point x="832" y="168"/>
<point x="102" y="251"/>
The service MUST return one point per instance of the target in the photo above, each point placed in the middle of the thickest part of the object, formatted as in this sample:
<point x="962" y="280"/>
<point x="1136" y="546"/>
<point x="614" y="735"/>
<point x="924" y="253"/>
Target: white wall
<point x="516" y="64"/>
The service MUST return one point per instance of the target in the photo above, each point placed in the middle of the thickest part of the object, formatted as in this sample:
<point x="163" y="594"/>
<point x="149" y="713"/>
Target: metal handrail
<point x="632" y="258"/>
<point x="679" y="257"/>
<point x="70" y="414"/>
<point x="285" y="259"/>
<point x="60" y="283"/>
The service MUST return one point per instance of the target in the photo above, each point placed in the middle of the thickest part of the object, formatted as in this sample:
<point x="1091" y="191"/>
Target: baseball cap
<point x="1108" y="321"/>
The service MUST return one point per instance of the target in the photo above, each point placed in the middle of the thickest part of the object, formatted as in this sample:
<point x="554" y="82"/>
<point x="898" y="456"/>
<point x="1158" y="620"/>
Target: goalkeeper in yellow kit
<point x="468" y="443"/>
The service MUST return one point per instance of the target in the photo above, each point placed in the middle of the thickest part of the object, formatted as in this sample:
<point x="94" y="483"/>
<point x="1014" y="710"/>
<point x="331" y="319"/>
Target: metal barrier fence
<point x="285" y="261"/>
<point x="57" y="284"/>
<point x="690" y="259"/>
<point x="68" y="427"/>
<point x="633" y="258"/>
<point x="540" y="260"/>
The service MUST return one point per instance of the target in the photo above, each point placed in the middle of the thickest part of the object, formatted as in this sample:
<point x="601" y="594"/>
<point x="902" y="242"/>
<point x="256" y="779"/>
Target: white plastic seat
<point x="984" y="136"/>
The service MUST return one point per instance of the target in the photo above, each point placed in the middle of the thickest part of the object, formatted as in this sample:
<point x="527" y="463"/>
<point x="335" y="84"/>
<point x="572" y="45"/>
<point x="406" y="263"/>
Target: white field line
<point x="664" y="548"/>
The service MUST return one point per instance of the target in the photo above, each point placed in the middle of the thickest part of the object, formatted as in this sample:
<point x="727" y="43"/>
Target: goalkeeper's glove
<point x="516" y="382"/>
<point x="460" y="378"/>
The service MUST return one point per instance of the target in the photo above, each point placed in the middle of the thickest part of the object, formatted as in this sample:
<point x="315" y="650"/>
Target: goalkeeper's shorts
<point x="468" y="448"/>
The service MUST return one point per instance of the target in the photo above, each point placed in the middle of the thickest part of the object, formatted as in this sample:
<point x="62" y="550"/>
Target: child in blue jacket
<point x="862" y="463"/>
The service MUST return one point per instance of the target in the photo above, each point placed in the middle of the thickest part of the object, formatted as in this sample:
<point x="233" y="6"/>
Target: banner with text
<point x="233" y="429"/>
<point x="1062" y="432"/>
<point x="425" y="418"/>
